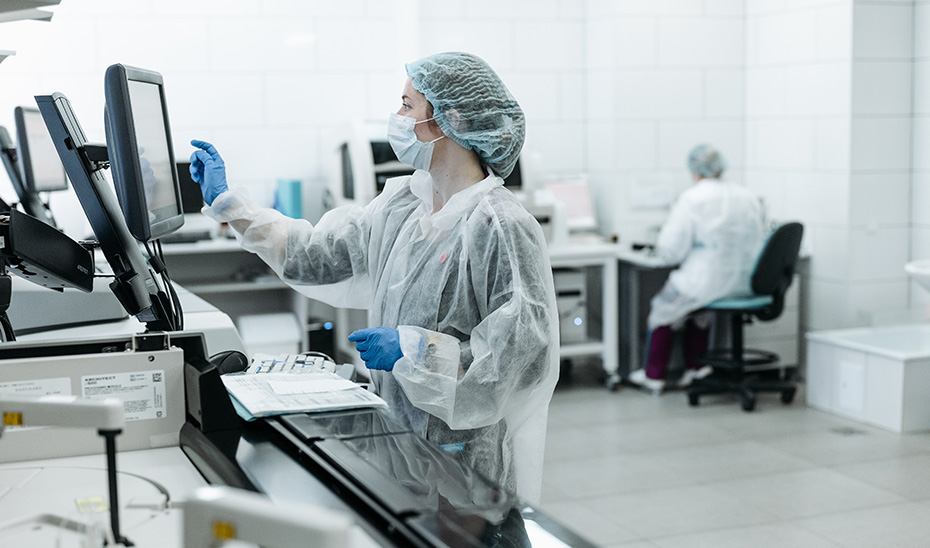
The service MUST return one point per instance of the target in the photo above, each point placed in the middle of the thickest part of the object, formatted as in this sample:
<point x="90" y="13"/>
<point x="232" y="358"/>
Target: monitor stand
<point x="34" y="308"/>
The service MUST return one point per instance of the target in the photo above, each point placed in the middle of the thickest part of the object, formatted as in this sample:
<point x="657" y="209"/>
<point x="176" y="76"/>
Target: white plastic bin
<point x="270" y="333"/>
<point x="877" y="375"/>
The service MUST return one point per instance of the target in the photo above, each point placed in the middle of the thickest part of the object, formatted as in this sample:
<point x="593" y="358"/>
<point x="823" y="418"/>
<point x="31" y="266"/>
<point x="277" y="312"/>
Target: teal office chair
<point x="734" y="367"/>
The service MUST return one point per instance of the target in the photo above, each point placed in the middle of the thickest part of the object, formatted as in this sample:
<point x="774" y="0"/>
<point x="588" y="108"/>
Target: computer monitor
<point x="39" y="162"/>
<point x="29" y="201"/>
<point x="135" y="284"/>
<point x="141" y="152"/>
<point x="514" y="181"/>
<point x="191" y="196"/>
<point x="574" y="193"/>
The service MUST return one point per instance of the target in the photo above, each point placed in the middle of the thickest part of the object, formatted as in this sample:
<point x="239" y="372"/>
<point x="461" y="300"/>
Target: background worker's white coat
<point x="715" y="232"/>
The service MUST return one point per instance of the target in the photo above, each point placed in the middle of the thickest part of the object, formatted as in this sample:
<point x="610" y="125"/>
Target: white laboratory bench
<point x="594" y="252"/>
<point x="200" y="316"/>
<point x="39" y="498"/>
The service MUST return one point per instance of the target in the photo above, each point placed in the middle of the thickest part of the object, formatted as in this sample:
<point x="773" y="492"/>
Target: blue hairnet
<point x="472" y="106"/>
<point x="706" y="161"/>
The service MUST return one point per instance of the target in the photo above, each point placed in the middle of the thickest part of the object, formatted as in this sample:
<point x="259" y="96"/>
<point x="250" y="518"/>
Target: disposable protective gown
<point x="715" y="232"/>
<point x="470" y="290"/>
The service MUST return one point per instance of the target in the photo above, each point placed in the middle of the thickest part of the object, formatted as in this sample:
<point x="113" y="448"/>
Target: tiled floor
<point x="627" y="469"/>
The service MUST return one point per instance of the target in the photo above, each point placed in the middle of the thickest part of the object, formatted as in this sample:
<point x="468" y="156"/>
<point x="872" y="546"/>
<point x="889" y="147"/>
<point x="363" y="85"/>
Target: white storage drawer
<point x="880" y="376"/>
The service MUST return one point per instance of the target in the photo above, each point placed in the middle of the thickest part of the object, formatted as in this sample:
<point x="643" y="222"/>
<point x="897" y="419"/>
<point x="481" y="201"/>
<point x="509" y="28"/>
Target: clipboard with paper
<point x="267" y="394"/>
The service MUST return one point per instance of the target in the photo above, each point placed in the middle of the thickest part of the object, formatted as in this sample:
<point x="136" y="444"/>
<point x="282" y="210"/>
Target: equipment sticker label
<point x="60" y="386"/>
<point x="142" y="392"/>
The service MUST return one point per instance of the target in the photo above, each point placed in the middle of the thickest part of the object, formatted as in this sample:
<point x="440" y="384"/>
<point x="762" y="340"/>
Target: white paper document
<point x="279" y="393"/>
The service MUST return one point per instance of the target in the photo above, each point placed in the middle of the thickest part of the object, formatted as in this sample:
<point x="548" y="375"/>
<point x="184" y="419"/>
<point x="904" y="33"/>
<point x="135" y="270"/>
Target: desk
<point x="593" y="251"/>
<point x="641" y="277"/>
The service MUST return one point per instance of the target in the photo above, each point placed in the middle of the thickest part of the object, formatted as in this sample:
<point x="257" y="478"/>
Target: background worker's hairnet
<point x="706" y="161"/>
<point x="472" y="106"/>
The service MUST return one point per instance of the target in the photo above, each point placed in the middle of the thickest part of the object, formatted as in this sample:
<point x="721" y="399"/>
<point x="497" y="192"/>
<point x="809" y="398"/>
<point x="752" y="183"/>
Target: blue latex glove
<point x="378" y="346"/>
<point x="208" y="170"/>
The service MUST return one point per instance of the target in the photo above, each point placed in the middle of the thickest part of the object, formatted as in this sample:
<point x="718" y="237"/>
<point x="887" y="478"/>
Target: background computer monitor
<point x="514" y="181"/>
<point x="191" y="196"/>
<point x="29" y="201"/>
<point x="141" y="152"/>
<point x="135" y="285"/>
<point x="39" y="162"/>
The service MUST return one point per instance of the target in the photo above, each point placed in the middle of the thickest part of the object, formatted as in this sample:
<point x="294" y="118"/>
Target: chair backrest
<point x="775" y="267"/>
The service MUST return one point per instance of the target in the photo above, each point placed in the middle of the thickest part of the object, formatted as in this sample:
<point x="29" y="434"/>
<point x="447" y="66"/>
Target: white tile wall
<point x="819" y="198"/>
<point x="830" y="257"/>
<point x="832" y="143"/>
<point x="921" y="141"/>
<point x="600" y="101"/>
<point x="881" y="87"/>
<point x="834" y="39"/>
<point x="817" y="89"/>
<point x="300" y="99"/>
<point x="828" y="305"/>
<point x="245" y="45"/>
<point x="491" y="40"/>
<point x="724" y="92"/>
<point x="878" y="254"/>
<point x="604" y="148"/>
<point x="871" y="300"/>
<point x="773" y="45"/>
<point x="637" y="144"/>
<point x="675" y="8"/>
<point x="701" y="42"/>
<point x="781" y="143"/>
<point x="635" y="42"/>
<point x="922" y="83"/>
<point x="882" y="31"/>
<point x="920" y="199"/>
<point x="879" y="199"/>
<point x="766" y="91"/>
<point x="547" y="45"/>
<point x="658" y="93"/>
<point x="881" y="143"/>
<point x="921" y="23"/>
<point x="724" y="7"/>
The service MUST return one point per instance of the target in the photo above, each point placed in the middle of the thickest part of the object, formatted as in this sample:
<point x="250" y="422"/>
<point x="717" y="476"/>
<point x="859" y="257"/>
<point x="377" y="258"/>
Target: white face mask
<point x="403" y="139"/>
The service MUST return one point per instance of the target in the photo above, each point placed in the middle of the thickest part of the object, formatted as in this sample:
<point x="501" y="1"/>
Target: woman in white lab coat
<point x="714" y="232"/>
<point x="454" y="271"/>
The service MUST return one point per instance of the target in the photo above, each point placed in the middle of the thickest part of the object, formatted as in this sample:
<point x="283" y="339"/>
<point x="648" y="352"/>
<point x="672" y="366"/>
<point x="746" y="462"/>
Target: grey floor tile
<point x="679" y="511"/>
<point x="905" y="476"/>
<point x="601" y="476"/>
<point x="627" y="469"/>
<point x="847" y="444"/>
<point x="779" y="535"/>
<point x="900" y="526"/>
<point x="807" y="493"/>
<point x="726" y="461"/>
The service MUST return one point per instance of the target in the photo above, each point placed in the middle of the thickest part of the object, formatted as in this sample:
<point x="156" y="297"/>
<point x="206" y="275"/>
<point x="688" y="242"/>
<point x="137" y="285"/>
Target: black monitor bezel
<point x="134" y="284"/>
<point x="124" y="161"/>
<point x="24" y="148"/>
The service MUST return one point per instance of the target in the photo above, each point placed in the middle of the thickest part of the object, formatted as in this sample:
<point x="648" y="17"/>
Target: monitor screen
<point x="141" y="153"/>
<point x="575" y="196"/>
<point x="514" y="181"/>
<point x="39" y="162"/>
<point x="191" y="196"/>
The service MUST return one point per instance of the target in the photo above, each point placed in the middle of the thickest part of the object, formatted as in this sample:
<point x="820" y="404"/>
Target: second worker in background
<point x="714" y="232"/>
